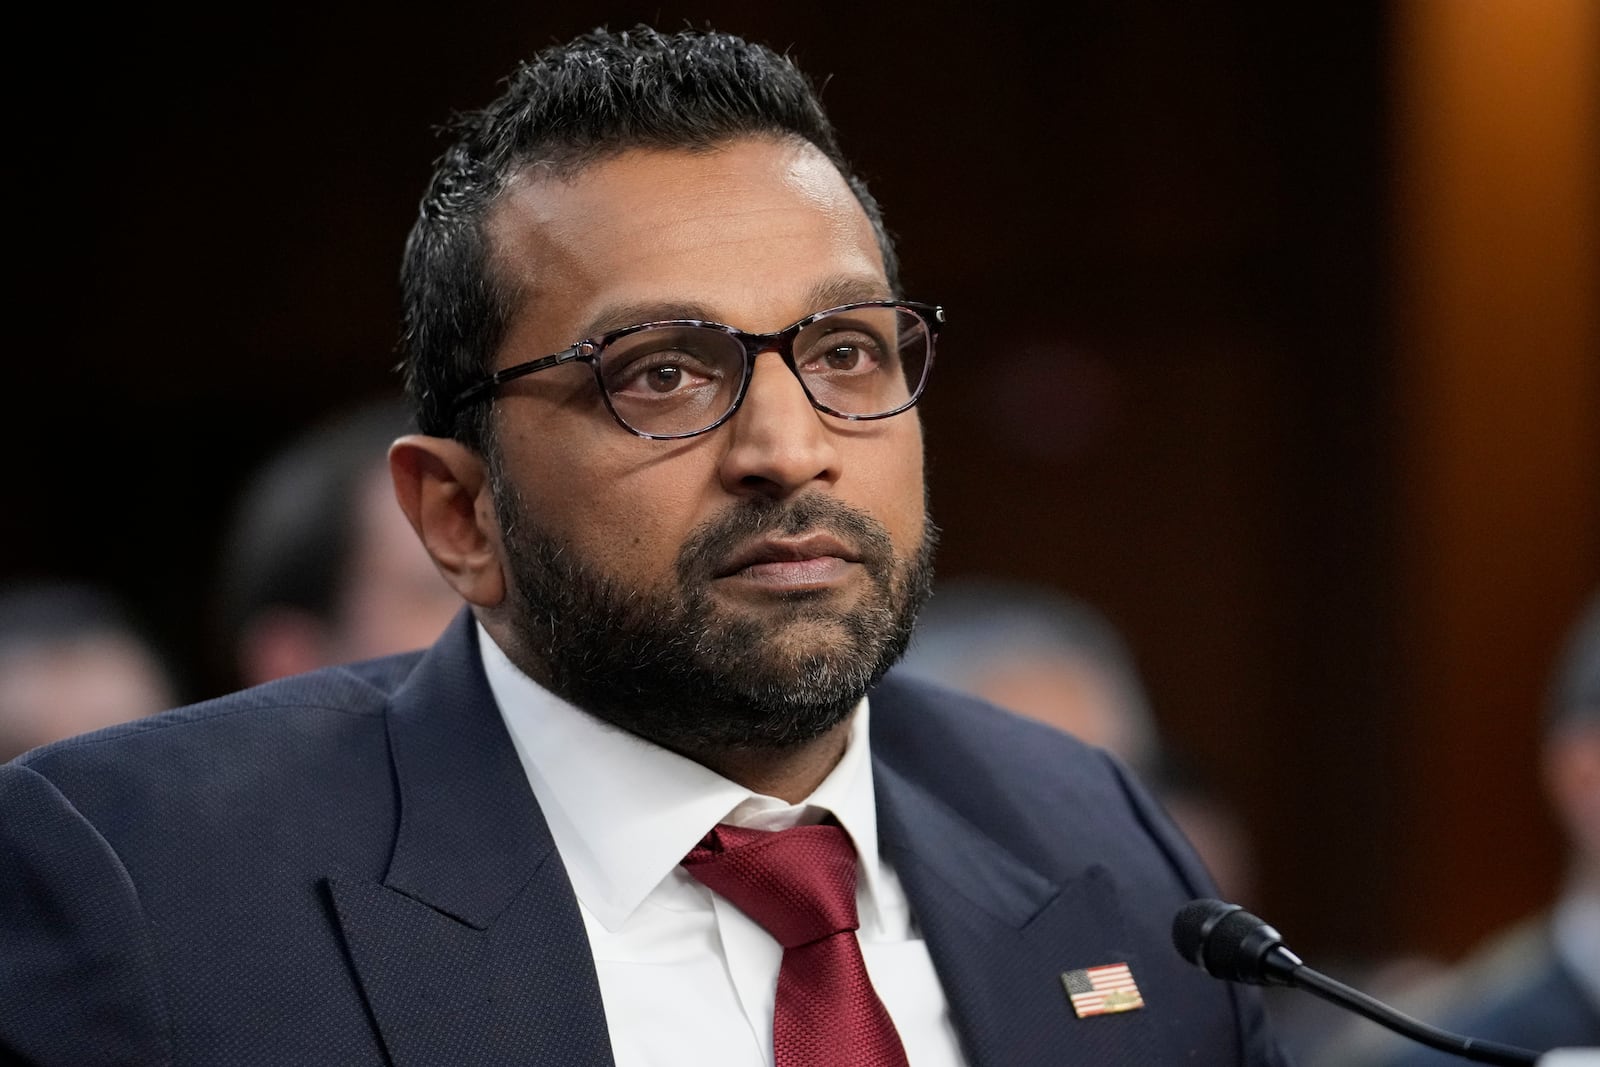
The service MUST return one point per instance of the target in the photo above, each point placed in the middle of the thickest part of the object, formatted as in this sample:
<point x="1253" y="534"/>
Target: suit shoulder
<point x="211" y="783"/>
<point x="1020" y="778"/>
<point x="909" y="712"/>
<point x="237" y="720"/>
<point x="982" y="758"/>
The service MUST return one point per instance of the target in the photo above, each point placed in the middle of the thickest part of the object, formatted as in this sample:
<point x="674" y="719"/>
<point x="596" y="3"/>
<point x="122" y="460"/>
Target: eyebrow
<point x="831" y="292"/>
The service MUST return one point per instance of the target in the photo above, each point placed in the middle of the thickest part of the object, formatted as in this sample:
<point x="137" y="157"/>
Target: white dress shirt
<point x="686" y="977"/>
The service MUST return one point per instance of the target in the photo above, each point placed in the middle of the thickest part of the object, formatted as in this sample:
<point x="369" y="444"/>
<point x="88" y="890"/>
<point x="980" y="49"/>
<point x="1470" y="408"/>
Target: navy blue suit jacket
<point x="1541" y="1007"/>
<point x="349" y="867"/>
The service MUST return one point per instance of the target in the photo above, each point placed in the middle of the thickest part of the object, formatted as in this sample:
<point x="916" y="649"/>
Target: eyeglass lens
<point x="860" y="362"/>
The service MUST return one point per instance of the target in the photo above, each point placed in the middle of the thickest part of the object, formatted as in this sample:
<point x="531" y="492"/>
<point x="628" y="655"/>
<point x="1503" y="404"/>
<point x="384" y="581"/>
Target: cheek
<point x="635" y="528"/>
<point x="893" y="484"/>
<point x="624" y="509"/>
<point x="638" y="522"/>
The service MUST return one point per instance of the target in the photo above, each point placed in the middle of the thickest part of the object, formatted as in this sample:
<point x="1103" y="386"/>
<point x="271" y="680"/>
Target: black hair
<point x="293" y="528"/>
<point x="49" y="611"/>
<point x="1574" y="694"/>
<point x="571" y="105"/>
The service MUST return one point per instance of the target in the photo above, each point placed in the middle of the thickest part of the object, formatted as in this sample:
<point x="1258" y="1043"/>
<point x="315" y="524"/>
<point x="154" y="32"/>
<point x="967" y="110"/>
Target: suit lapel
<point x="1001" y="934"/>
<point x="472" y="949"/>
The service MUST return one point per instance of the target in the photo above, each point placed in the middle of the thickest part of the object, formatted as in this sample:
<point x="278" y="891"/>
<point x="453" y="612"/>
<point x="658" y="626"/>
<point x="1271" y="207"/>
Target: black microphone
<point x="1228" y="942"/>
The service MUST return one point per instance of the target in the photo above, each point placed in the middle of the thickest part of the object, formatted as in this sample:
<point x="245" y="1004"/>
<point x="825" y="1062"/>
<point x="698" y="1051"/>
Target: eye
<point x="662" y="378"/>
<point x="843" y="352"/>
<point x="844" y="357"/>
<point x="668" y="364"/>
<point x="659" y="373"/>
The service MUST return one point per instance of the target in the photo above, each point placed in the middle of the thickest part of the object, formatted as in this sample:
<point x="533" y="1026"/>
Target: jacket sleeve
<point x="78" y="978"/>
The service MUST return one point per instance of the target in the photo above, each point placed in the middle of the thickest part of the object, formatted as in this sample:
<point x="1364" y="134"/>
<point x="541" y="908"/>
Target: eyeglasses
<point x="666" y="380"/>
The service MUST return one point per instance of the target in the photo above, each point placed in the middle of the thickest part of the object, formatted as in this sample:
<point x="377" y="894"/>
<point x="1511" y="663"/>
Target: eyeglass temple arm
<point x="477" y="390"/>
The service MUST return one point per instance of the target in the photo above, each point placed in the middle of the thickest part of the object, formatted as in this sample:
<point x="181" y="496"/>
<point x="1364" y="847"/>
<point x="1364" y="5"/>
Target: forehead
<point x="753" y="233"/>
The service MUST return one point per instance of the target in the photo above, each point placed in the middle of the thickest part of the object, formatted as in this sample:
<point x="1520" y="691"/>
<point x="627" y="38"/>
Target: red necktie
<point x="800" y="885"/>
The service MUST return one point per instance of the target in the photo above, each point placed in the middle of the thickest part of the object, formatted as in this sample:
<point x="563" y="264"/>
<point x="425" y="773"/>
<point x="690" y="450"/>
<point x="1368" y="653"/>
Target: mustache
<point x="711" y="543"/>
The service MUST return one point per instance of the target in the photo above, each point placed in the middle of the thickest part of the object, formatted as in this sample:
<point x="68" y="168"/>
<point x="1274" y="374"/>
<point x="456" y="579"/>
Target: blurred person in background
<point x="1060" y="660"/>
<point x="1535" y="985"/>
<point x="1034" y="650"/>
<point x="72" y="660"/>
<point x="319" y="565"/>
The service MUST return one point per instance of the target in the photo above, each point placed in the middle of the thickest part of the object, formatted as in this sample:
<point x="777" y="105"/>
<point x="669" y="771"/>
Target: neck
<point x="790" y="774"/>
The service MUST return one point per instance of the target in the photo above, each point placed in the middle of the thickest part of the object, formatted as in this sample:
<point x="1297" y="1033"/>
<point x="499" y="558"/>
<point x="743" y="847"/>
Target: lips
<point x="787" y="550"/>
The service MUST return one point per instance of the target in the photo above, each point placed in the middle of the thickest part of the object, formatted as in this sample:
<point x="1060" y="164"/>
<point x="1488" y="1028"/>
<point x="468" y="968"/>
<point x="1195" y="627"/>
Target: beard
<point x="676" y="669"/>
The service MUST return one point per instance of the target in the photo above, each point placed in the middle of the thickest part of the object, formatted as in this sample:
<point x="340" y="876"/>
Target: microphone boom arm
<point x="1475" y="1049"/>
<point x="1228" y="942"/>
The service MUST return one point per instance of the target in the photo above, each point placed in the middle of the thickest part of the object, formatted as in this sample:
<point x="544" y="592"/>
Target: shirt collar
<point x="624" y="812"/>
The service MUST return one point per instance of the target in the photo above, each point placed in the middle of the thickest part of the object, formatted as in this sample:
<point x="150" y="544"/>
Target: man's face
<point x="742" y="587"/>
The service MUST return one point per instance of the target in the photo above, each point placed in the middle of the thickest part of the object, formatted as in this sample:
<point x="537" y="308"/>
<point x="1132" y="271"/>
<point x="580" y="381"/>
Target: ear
<point x="443" y="487"/>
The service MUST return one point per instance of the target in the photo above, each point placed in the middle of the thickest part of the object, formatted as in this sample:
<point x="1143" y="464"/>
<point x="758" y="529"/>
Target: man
<point x="688" y="553"/>
<point x="1536" y="984"/>
<point x="1058" y="659"/>
<point x="319" y="566"/>
<point x="72" y="659"/>
<point x="1040" y="653"/>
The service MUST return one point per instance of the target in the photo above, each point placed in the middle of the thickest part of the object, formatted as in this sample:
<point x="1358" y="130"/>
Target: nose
<point x="778" y="443"/>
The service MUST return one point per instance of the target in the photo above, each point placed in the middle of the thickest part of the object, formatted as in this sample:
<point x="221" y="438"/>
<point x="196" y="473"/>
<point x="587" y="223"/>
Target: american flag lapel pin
<point x="1102" y="990"/>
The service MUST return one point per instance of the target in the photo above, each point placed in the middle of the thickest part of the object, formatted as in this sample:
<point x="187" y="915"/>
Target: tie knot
<point x="799" y="883"/>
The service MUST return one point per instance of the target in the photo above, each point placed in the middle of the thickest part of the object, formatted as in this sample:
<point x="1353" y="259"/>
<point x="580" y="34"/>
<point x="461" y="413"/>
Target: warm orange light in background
<point x="1497" y="346"/>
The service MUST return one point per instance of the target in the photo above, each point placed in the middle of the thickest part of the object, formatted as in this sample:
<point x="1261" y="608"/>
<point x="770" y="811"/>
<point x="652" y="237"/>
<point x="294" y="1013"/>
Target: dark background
<point x="1172" y="242"/>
